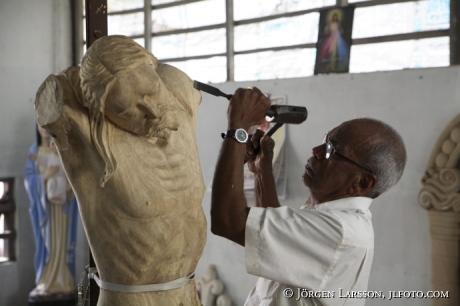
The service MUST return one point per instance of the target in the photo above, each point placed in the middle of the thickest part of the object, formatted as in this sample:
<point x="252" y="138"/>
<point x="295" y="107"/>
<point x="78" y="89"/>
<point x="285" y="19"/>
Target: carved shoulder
<point x="58" y="105"/>
<point x="180" y="85"/>
<point x="52" y="93"/>
<point x="49" y="102"/>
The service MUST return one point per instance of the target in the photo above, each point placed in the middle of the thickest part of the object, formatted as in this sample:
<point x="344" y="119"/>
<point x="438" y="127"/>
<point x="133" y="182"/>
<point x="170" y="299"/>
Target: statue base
<point x="53" y="299"/>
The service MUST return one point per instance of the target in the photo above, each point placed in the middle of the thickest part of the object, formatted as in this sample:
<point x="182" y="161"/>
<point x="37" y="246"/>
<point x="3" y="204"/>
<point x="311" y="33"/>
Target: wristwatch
<point x="239" y="134"/>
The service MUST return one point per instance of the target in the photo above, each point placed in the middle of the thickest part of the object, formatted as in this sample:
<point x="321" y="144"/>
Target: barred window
<point x="239" y="40"/>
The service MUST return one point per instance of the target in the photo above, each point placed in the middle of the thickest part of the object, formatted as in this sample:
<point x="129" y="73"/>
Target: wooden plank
<point x="96" y="20"/>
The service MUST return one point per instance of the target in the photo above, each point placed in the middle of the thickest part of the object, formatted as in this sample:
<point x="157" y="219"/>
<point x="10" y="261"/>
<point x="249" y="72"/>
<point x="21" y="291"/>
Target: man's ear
<point x="363" y="184"/>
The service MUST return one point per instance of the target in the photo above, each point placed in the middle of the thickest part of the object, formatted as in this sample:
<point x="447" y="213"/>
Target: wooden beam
<point x="96" y="27"/>
<point x="96" y="20"/>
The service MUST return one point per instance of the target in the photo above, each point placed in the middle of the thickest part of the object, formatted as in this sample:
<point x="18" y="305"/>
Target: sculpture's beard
<point x="158" y="123"/>
<point x="163" y="125"/>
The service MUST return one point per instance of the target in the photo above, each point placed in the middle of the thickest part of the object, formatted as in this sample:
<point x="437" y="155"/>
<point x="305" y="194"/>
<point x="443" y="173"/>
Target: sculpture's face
<point x="140" y="103"/>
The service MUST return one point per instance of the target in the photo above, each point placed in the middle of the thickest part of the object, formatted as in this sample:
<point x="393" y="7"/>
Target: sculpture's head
<point x="119" y="82"/>
<point x="140" y="103"/>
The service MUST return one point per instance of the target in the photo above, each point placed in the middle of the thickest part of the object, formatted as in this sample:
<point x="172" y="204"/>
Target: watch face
<point x="241" y="135"/>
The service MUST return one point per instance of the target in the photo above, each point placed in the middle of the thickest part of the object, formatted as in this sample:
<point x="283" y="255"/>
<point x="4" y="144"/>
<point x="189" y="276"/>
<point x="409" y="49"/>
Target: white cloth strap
<point x="177" y="283"/>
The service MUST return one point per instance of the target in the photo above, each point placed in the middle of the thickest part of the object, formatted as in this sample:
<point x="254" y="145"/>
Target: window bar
<point x="7" y="209"/>
<point x="281" y="48"/>
<point x="400" y="37"/>
<point x="358" y="41"/>
<point x="454" y="32"/>
<point x="148" y="25"/>
<point x="11" y="233"/>
<point x="314" y="10"/>
<point x="230" y="41"/>
<point x="188" y="58"/>
<point x="2" y="241"/>
<point x="189" y="30"/>
<point x="380" y="2"/>
<point x="176" y="3"/>
<point x="126" y="12"/>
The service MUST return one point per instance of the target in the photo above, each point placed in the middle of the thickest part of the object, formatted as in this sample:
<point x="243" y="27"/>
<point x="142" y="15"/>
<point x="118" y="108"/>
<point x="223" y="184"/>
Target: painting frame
<point x="334" y="40"/>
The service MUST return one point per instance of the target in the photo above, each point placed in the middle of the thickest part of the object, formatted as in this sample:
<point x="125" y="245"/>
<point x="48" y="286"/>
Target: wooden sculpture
<point x="125" y="128"/>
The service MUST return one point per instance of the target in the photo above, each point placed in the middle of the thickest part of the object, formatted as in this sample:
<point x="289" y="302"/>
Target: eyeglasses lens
<point x="329" y="147"/>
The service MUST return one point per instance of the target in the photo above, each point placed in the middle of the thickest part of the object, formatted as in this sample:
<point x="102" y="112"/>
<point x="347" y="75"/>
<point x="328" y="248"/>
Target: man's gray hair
<point x="385" y="157"/>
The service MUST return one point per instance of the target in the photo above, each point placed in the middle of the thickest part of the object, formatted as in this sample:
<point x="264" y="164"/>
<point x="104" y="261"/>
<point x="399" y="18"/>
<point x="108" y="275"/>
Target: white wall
<point x="417" y="103"/>
<point x="34" y="42"/>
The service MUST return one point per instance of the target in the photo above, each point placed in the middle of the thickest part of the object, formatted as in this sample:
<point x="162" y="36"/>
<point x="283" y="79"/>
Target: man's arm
<point x="229" y="209"/>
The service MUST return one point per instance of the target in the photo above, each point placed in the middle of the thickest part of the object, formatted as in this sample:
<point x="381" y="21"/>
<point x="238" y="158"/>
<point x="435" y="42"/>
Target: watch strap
<point x="229" y="133"/>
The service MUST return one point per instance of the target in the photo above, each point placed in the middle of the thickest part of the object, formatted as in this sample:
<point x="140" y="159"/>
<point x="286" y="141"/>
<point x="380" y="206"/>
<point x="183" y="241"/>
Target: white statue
<point x="53" y="211"/>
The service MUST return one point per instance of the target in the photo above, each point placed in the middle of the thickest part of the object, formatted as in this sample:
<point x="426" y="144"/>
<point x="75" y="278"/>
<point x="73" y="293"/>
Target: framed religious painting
<point x="334" y="40"/>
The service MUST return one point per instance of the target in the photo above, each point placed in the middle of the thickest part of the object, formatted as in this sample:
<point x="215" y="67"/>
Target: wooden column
<point x="96" y="27"/>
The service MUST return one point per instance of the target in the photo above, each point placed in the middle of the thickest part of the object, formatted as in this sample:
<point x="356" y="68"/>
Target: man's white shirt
<point x="315" y="251"/>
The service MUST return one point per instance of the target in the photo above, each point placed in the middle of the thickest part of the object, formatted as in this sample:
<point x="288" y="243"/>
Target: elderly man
<point x="320" y="254"/>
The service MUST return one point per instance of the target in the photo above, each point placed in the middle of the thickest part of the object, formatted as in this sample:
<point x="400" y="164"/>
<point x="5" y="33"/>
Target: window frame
<point x="8" y="210"/>
<point x="230" y="24"/>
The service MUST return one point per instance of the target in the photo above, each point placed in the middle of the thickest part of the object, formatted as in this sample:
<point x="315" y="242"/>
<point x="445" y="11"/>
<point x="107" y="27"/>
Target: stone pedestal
<point x="445" y="254"/>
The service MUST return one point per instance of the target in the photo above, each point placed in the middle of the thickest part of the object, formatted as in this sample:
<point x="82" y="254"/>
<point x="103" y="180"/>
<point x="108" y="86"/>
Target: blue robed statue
<point x="54" y="211"/>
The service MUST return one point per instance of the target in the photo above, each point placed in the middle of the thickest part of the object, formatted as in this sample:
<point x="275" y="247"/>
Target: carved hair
<point x="385" y="157"/>
<point x="107" y="59"/>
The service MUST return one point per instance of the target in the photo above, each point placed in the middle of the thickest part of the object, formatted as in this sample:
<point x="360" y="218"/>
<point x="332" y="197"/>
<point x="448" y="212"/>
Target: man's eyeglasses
<point x="330" y="149"/>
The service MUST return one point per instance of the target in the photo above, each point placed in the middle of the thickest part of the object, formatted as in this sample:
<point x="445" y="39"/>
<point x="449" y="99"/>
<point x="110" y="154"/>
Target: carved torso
<point x="146" y="225"/>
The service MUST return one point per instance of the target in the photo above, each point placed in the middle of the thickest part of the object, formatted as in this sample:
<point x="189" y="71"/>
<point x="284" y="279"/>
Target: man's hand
<point x="259" y="153"/>
<point x="247" y="108"/>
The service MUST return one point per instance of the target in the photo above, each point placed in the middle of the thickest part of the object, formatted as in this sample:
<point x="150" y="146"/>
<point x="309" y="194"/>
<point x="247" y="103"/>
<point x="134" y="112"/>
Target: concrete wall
<point x="34" y="42"/>
<point x="417" y="103"/>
